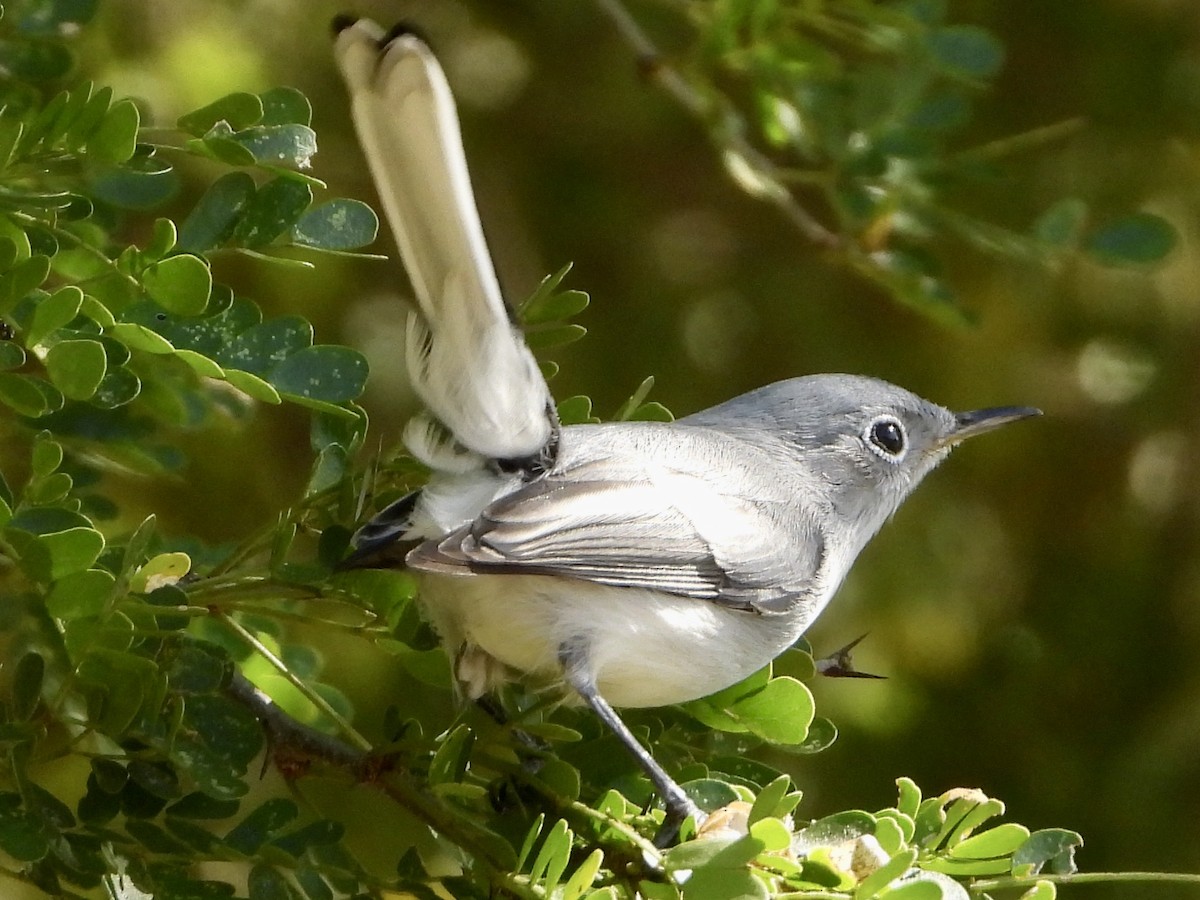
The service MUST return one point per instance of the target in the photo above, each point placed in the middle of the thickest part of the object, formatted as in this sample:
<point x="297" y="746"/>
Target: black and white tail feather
<point x="490" y="413"/>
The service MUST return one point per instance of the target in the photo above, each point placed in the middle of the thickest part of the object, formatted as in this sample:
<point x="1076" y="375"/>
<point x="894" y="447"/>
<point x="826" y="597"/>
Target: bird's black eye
<point x="886" y="437"/>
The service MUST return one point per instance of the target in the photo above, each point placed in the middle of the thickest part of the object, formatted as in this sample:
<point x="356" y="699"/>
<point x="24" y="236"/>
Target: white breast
<point x="645" y="648"/>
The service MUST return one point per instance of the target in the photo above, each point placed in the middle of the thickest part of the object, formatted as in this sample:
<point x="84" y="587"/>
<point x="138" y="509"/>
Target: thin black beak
<point x="978" y="421"/>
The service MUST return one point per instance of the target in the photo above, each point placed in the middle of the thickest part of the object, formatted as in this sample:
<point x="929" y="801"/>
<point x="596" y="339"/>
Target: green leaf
<point x="201" y="806"/>
<point x="326" y="373"/>
<point x="79" y="594"/>
<point x="238" y="110"/>
<point x="285" y="106"/>
<point x="77" y="367"/>
<point x="261" y="825"/>
<point x="155" y="778"/>
<point x="544" y="338"/>
<point x="12" y="356"/>
<point x="217" y="143"/>
<point x="1140" y="239"/>
<point x="554" y="307"/>
<point x="139" y="337"/>
<point x="337" y="225"/>
<point x="37" y="60"/>
<point x="576" y="410"/>
<point x="120" y="386"/>
<point x="710" y="793"/>
<point x="68" y="551"/>
<point x="29" y="395"/>
<point x="322" y="832"/>
<point x="272" y="211"/>
<point x="264" y="883"/>
<point x="909" y="801"/>
<point x="329" y="468"/>
<point x="260" y="348"/>
<point x="1001" y="841"/>
<point x="179" y="284"/>
<point x="17" y="282"/>
<point x="584" y="876"/>
<point x="160" y="570"/>
<point x="724" y="884"/>
<point x="47" y="455"/>
<point x="551" y="860"/>
<point x="885" y="874"/>
<point x="27" y="685"/>
<point x="780" y="712"/>
<point x="289" y="145"/>
<point x="449" y="763"/>
<point x="162" y="241"/>
<point x="1062" y="224"/>
<point x="52" y="313"/>
<point x="54" y="18"/>
<point x="21" y="835"/>
<point x="920" y="887"/>
<point x="966" y="50"/>
<point x="770" y="799"/>
<point x="212" y="221"/>
<point x="143" y="182"/>
<point x="200" y="364"/>
<point x="116" y="138"/>
<point x="1047" y="845"/>
<point x="253" y="386"/>
<point x="86" y="123"/>
<point x="196" y="667"/>
<point x="11" y="130"/>
<point x="122" y="681"/>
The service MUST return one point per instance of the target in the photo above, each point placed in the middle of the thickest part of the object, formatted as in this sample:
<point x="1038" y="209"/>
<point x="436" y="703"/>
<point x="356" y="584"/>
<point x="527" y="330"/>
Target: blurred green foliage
<point x="182" y="462"/>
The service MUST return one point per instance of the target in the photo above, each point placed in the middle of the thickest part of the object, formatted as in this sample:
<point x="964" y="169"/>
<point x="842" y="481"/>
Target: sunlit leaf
<point x="77" y="367"/>
<point x="179" y="284"/>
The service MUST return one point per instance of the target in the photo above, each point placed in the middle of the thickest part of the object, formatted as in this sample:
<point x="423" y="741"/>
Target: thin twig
<point x="764" y="176"/>
<point x="278" y="665"/>
<point x="294" y="746"/>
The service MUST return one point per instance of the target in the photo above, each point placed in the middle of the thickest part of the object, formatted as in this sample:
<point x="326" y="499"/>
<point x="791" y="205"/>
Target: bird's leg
<point x="573" y="657"/>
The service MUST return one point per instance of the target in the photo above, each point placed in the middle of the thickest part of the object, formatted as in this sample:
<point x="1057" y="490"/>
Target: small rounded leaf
<point x="967" y="50"/>
<point x="285" y="106"/>
<point x="116" y="138"/>
<point x="780" y="712"/>
<point x="77" y="367"/>
<point x="327" y="373"/>
<point x="1140" y="239"/>
<point x="179" y="284"/>
<point x="80" y="594"/>
<point x="272" y="211"/>
<point x="216" y="214"/>
<point x="238" y="110"/>
<point x="337" y="225"/>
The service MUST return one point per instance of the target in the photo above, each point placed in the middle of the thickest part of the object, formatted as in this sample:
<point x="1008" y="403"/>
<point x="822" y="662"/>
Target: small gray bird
<point x="634" y="564"/>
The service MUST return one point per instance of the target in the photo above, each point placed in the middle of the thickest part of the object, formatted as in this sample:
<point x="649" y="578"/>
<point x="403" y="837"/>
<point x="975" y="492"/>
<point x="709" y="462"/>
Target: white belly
<point x="644" y="648"/>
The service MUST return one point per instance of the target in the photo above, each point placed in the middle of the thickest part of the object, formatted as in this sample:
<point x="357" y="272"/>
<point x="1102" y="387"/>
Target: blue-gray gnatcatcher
<point x="635" y="564"/>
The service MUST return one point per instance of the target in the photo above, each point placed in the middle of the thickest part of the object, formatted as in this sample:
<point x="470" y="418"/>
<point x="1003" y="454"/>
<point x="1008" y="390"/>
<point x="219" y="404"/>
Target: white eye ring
<point x="886" y="437"/>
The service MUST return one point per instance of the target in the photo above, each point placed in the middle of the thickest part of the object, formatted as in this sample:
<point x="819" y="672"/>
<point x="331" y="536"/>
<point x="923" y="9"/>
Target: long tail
<point x="466" y="359"/>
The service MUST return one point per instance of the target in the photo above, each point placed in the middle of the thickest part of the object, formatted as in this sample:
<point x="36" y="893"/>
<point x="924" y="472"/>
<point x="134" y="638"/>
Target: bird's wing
<point x="670" y="531"/>
<point x="467" y="361"/>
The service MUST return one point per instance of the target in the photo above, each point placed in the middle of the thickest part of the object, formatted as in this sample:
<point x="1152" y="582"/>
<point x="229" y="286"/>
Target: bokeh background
<point x="1036" y="606"/>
